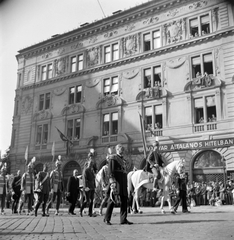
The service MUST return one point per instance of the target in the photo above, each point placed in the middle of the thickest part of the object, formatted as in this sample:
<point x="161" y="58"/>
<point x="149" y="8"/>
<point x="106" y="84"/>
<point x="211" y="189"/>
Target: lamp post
<point x="224" y="174"/>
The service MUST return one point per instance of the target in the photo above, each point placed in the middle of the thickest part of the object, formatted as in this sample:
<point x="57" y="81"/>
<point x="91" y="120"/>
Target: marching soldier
<point x="56" y="182"/>
<point x="44" y="183"/>
<point x="27" y="186"/>
<point x="16" y="191"/>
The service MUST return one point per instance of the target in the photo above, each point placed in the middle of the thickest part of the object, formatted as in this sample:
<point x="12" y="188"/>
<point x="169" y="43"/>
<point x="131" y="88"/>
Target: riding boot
<point x="155" y="184"/>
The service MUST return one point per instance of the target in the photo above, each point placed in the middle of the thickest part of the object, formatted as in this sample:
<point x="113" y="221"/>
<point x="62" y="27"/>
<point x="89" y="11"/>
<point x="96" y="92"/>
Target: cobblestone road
<point x="204" y="222"/>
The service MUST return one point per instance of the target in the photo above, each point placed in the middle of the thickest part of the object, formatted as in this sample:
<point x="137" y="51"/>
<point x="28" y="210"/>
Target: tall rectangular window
<point x="16" y="108"/>
<point x="13" y="138"/>
<point x="43" y="73"/>
<point x="157" y="76"/>
<point x="199" y="26"/>
<point x="41" y="102"/>
<point x="44" y="101"/>
<point x="111" y="86"/>
<point x="210" y="108"/>
<point x="199" y="111"/>
<point x="80" y="62"/>
<point x="111" y="52"/>
<point x="106" y="123"/>
<point x="73" y="64"/>
<point x="39" y="134"/>
<point x="158" y="111"/>
<point x="50" y="69"/>
<point x="107" y="54"/>
<point x="42" y="134"/>
<point x="75" y="94"/>
<point x="148" y="117"/>
<point x="47" y="100"/>
<point x="147" y="78"/>
<point x="45" y="133"/>
<point x="115" y="51"/>
<point x="114" y="123"/>
<point x="77" y="129"/>
<point x="202" y="64"/>
<point x="73" y="129"/>
<point x="147" y="42"/>
<point x="156" y="39"/>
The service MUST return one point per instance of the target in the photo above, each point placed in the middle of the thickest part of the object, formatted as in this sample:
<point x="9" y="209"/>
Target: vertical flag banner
<point x="65" y="139"/>
<point x="143" y="133"/>
<point x="26" y="155"/>
<point x="53" y="151"/>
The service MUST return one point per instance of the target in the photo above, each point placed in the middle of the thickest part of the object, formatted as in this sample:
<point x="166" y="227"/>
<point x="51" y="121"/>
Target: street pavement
<point x="204" y="222"/>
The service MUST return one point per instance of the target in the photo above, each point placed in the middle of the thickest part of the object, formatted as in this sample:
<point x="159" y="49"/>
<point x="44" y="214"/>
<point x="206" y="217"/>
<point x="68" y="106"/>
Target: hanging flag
<point x="69" y="143"/>
<point x="53" y="151"/>
<point x="26" y="155"/>
<point x="143" y="134"/>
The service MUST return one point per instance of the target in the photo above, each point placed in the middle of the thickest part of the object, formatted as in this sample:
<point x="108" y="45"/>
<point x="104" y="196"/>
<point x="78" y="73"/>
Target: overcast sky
<point x="26" y="22"/>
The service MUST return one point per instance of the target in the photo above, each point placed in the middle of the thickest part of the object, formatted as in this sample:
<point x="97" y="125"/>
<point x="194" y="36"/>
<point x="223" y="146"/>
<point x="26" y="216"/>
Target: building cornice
<point x="100" y="26"/>
<point x="142" y="56"/>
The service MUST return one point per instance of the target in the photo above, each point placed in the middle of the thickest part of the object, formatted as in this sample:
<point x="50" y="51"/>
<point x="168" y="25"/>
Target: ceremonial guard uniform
<point x="4" y="186"/>
<point x="27" y="187"/>
<point x="89" y="188"/>
<point x="56" y="182"/>
<point x="16" y="191"/>
<point x="155" y="161"/>
<point x="118" y="184"/>
<point x="105" y="184"/>
<point x="44" y="183"/>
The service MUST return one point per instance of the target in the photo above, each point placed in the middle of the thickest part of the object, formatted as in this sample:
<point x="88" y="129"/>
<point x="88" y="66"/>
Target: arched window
<point x="208" y="159"/>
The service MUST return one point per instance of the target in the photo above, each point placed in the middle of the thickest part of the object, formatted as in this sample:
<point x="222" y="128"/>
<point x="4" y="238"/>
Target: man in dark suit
<point x="16" y="185"/>
<point x="89" y="188"/>
<point x="118" y="184"/>
<point x="43" y="196"/>
<point x="181" y="185"/>
<point x="73" y="191"/>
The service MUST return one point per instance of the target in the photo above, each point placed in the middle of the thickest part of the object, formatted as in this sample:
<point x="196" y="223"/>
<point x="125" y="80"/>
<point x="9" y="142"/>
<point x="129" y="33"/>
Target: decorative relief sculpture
<point x="93" y="56"/>
<point x="173" y="12"/>
<point x="151" y="20"/>
<point x="215" y="18"/>
<point x="59" y="91"/>
<point x="109" y="101"/>
<point x="151" y="93"/>
<point x="45" y="114"/>
<point x="73" y="109"/>
<point x="199" y="4"/>
<point x="46" y="55"/>
<point x="130" y="45"/>
<point x="77" y="45"/>
<point x="61" y="50"/>
<point x="61" y="65"/>
<point x="130" y="74"/>
<point x="93" y="39"/>
<point x="174" y="31"/>
<point x="92" y="82"/>
<point x="27" y="104"/>
<point x="130" y="27"/>
<point x="202" y="81"/>
<point x="176" y="63"/>
<point x="110" y="34"/>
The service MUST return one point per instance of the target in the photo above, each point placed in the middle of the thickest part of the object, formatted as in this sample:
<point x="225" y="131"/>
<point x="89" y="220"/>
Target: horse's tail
<point x="130" y="184"/>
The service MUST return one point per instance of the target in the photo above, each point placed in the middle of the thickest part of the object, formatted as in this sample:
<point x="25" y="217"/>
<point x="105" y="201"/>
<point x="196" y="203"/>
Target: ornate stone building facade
<point x="170" y="61"/>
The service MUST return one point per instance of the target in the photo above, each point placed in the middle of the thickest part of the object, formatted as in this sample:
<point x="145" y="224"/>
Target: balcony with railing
<point x="202" y="127"/>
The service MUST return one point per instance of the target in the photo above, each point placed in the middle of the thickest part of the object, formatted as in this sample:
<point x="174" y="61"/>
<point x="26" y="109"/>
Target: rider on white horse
<point x="155" y="160"/>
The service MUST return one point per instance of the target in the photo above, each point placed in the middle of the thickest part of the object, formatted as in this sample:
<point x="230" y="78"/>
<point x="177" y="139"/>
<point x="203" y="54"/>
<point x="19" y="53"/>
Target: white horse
<point x="140" y="178"/>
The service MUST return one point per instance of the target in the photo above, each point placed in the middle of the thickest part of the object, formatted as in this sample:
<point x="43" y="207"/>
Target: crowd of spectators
<point x="198" y="193"/>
